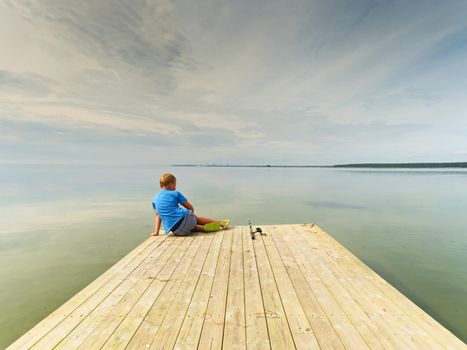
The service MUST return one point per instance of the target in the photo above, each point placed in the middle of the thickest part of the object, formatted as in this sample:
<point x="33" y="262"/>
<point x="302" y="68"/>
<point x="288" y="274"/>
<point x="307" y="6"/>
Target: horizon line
<point x="347" y="165"/>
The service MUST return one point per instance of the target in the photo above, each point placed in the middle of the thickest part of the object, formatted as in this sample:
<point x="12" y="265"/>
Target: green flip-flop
<point x="212" y="227"/>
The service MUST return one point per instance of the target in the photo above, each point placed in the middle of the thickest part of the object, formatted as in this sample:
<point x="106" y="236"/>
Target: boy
<point x="181" y="220"/>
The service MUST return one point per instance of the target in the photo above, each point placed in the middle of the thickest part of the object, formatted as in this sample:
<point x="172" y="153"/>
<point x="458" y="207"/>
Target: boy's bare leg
<point x="198" y="228"/>
<point x="203" y="221"/>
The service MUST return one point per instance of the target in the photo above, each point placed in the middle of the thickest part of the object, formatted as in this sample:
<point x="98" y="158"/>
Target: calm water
<point x="61" y="227"/>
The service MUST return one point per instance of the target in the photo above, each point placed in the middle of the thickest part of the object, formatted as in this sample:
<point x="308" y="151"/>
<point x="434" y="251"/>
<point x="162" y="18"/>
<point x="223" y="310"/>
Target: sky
<point x="232" y="82"/>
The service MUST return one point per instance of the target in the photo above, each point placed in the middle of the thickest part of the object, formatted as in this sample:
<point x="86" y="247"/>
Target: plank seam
<point x="262" y="298"/>
<point x="194" y="289"/>
<point x="389" y="300"/>
<point x="336" y="300"/>
<point x="422" y="323"/>
<point x="311" y="290"/>
<point x="91" y="310"/>
<point x="244" y="285"/>
<point x="280" y="297"/>
<point x="210" y="290"/>
<point x="95" y="325"/>
<point x="177" y="291"/>
<point x="181" y="258"/>
<point x="24" y="338"/>
<point x="142" y="294"/>
<point x="227" y="293"/>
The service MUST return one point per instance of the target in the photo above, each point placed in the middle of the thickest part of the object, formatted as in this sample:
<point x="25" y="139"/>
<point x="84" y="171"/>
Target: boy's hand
<point x="154" y="233"/>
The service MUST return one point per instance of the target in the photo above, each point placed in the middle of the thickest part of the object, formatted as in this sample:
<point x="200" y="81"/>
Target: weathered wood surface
<point x="295" y="288"/>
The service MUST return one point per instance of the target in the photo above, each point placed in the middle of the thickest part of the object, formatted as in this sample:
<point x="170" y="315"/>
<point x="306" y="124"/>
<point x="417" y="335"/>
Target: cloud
<point x="137" y="40"/>
<point x="24" y="84"/>
<point x="302" y="81"/>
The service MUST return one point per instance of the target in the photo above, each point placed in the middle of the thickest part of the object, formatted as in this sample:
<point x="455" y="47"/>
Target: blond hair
<point x="166" y="179"/>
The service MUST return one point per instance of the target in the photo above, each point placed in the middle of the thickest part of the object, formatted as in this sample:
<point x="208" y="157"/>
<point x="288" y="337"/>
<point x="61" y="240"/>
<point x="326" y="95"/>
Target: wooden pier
<point x="295" y="288"/>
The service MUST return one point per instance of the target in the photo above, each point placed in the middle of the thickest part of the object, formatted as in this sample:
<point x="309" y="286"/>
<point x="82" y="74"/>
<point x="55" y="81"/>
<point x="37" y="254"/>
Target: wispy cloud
<point x="24" y="84"/>
<point x="132" y="39"/>
<point x="297" y="82"/>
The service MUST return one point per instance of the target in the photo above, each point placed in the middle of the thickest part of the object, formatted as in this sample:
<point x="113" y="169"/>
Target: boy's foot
<point x="225" y="223"/>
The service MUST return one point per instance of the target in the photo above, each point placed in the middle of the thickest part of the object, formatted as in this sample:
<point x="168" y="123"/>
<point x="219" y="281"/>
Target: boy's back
<point x="167" y="204"/>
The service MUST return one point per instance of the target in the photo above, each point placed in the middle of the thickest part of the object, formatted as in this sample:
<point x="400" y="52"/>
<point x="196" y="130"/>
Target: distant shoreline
<point x="358" y="165"/>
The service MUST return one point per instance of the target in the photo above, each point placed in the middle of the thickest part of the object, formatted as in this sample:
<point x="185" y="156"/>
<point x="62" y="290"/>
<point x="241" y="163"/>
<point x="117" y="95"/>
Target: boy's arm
<point x="157" y="225"/>
<point x="188" y="206"/>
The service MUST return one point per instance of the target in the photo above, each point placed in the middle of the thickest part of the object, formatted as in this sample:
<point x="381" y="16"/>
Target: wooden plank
<point x="435" y="329"/>
<point x="127" y="328"/>
<point x="51" y="321"/>
<point x="123" y="334"/>
<point x="359" y="304"/>
<point x="344" y="328"/>
<point x="142" y="339"/>
<point x="378" y="310"/>
<point x="383" y="290"/>
<point x="302" y="332"/>
<point x="213" y="326"/>
<point x="257" y="337"/>
<point x="190" y="331"/>
<point x="117" y="283"/>
<point x="234" y="328"/>
<point x="167" y="335"/>
<point x="323" y="329"/>
<point x="280" y="335"/>
<point x="96" y="316"/>
<point x="310" y="260"/>
<point x="93" y="332"/>
<point x="392" y="325"/>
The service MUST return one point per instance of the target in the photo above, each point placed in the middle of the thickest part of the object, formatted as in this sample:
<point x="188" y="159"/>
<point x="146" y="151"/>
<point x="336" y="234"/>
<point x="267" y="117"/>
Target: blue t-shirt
<point x="166" y="203"/>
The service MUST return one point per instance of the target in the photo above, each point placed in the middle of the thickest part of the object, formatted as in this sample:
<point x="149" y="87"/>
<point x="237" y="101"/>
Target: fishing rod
<point x="258" y="229"/>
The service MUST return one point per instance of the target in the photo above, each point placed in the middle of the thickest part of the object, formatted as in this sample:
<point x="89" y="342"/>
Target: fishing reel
<point x="258" y="229"/>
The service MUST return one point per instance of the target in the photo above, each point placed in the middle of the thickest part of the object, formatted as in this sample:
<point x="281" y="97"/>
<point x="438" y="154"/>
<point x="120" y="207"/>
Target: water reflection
<point x="60" y="227"/>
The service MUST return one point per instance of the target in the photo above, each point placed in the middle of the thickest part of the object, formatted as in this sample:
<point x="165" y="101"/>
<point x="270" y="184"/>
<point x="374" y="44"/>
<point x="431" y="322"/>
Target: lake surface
<point x="62" y="226"/>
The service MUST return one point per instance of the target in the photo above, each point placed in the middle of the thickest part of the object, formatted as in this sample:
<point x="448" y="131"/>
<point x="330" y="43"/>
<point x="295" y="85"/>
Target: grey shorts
<point x="188" y="223"/>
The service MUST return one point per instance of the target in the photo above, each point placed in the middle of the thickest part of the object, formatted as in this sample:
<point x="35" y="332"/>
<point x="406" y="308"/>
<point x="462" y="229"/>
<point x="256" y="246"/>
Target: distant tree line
<point x="360" y="165"/>
<point x="404" y="165"/>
